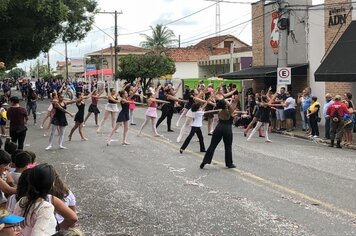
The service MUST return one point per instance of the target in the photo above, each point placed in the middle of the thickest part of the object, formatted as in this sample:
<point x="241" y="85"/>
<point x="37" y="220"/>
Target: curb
<point x="317" y="140"/>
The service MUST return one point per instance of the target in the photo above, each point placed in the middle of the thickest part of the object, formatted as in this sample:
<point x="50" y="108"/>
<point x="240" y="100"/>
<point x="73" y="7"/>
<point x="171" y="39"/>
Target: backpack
<point x="336" y="116"/>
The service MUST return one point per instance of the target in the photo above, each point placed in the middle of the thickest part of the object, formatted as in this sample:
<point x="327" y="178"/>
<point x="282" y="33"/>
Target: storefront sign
<point x="337" y="16"/>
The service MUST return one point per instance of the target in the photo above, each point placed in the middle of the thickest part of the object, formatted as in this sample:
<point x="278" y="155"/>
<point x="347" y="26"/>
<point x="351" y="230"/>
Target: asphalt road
<point x="288" y="187"/>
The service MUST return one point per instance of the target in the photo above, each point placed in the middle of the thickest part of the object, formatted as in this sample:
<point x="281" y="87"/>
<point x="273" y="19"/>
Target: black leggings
<point x="167" y="111"/>
<point x="222" y="131"/>
<point x="194" y="130"/>
<point x="313" y="120"/>
<point x="18" y="138"/>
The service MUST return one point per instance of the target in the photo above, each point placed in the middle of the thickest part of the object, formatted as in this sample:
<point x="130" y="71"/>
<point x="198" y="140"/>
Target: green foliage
<point x="29" y="27"/>
<point x="59" y="77"/>
<point x="161" y="38"/>
<point x="39" y="71"/>
<point x="16" y="73"/>
<point x="145" y="67"/>
<point x="48" y="77"/>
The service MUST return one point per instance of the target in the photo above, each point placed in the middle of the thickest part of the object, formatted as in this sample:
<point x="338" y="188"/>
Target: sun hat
<point x="11" y="219"/>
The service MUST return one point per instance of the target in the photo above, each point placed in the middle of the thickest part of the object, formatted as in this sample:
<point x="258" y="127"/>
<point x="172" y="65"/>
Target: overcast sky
<point x="139" y="15"/>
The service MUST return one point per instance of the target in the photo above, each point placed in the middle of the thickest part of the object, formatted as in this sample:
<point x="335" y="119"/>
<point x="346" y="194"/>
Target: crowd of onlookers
<point x="33" y="198"/>
<point x="337" y="114"/>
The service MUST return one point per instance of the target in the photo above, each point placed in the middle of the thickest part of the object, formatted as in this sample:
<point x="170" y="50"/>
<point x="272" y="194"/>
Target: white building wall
<point x="316" y="51"/>
<point x="185" y="70"/>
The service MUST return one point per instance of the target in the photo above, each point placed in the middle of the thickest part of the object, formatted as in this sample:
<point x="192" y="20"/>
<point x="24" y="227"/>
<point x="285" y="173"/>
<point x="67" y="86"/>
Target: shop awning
<point x="340" y="64"/>
<point x="257" y="72"/>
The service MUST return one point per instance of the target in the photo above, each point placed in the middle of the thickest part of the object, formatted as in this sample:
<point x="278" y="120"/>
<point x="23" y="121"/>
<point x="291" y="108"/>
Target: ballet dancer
<point x="79" y="116"/>
<point x="197" y="109"/>
<point x="168" y="108"/>
<point x="263" y="118"/>
<point x="195" y="97"/>
<point x="110" y="109"/>
<point x="93" y="108"/>
<point x="151" y="112"/>
<point x="123" y="117"/>
<point x="223" y="131"/>
<point x="59" y="120"/>
<point x="186" y="96"/>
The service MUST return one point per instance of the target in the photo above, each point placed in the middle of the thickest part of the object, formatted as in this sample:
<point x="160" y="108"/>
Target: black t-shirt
<point x="251" y="107"/>
<point x="281" y="97"/>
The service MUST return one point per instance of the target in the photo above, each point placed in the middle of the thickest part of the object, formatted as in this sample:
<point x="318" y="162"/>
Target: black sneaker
<point x="231" y="166"/>
<point x="170" y="130"/>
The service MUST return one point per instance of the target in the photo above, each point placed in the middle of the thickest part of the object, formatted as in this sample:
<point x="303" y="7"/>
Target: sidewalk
<point x="298" y="133"/>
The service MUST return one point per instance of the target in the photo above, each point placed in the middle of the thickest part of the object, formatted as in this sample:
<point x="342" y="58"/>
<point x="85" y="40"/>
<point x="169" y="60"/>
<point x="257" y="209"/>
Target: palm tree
<point x="161" y="38"/>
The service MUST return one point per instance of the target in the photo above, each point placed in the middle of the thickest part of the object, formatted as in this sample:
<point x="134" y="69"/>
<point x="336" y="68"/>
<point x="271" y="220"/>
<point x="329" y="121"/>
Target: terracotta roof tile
<point x="213" y="41"/>
<point x="124" y="49"/>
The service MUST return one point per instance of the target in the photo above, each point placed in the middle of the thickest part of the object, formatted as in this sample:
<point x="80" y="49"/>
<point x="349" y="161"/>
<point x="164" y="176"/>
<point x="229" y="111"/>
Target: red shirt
<point x="17" y="116"/>
<point x="339" y="106"/>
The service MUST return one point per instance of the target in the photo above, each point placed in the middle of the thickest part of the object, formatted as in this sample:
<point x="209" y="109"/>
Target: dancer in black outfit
<point x="168" y="108"/>
<point x="123" y="117"/>
<point x="59" y="121"/>
<point x="222" y="131"/>
<point x="79" y="116"/>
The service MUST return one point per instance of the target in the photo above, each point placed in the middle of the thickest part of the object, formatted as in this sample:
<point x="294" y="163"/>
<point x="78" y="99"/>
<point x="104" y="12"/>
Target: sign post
<point x="284" y="76"/>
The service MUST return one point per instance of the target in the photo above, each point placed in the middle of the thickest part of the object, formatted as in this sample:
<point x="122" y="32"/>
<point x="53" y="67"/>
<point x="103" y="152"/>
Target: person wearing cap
<point x="18" y="119"/>
<point x="336" y="113"/>
<point x="329" y="101"/>
<point x="9" y="224"/>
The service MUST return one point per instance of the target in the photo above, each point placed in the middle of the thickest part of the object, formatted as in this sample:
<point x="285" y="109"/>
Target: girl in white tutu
<point x="110" y="109"/>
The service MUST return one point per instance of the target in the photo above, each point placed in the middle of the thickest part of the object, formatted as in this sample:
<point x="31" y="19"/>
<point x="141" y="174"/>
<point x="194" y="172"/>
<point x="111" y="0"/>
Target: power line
<point x="203" y="37"/>
<point x="171" y="22"/>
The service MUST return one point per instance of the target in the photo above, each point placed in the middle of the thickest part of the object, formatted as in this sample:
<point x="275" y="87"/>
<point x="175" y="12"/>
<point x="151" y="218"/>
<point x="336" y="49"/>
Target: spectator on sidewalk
<point x="18" y="119"/>
<point x="336" y="112"/>
<point x="305" y="105"/>
<point x="313" y="116"/>
<point x="348" y="124"/>
<point x="281" y="98"/>
<point x="329" y="101"/>
<point x="289" y="111"/>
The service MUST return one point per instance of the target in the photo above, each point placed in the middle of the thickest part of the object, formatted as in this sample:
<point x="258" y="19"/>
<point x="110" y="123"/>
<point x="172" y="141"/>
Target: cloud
<point x="166" y="18"/>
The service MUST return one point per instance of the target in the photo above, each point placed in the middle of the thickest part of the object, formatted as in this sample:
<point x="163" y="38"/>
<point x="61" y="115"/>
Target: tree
<point x="145" y="67"/>
<point x="161" y="38"/>
<point x="16" y="73"/>
<point x="29" y="27"/>
<point x="39" y="71"/>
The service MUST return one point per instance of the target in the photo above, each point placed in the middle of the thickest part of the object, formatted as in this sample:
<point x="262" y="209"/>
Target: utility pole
<point x="217" y="16"/>
<point x="115" y="45"/>
<point x="111" y="58"/>
<point x="116" y="50"/>
<point x="231" y="57"/>
<point x="66" y="56"/>
<point x="48" y="64"/>
<point x="283" y="25"/>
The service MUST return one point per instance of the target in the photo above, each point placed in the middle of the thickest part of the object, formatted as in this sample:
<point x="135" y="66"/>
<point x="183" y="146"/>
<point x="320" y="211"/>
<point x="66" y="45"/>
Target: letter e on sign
<point x="284" y="76"/>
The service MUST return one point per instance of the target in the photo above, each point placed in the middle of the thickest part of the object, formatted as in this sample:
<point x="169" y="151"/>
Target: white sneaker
<point x="83" y="124"/>
<point x="49" y="147"/>
<point x="62" y="147"/>
<point x="268" y="141"/>
<point x="315" y="136"/>
<point x="41" y="126"/>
